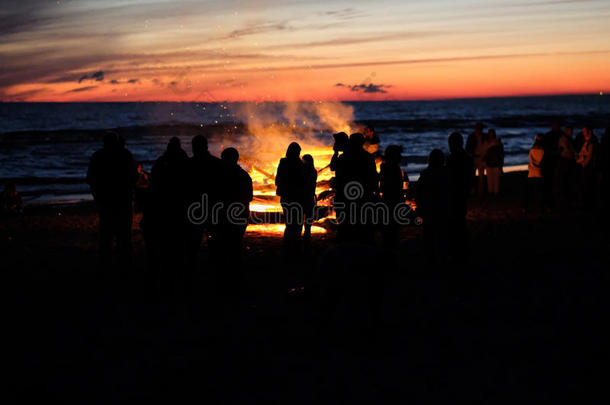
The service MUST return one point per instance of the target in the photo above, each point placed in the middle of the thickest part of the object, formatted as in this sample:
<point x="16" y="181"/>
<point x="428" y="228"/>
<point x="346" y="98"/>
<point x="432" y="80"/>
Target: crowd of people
<point x="567" y="171"/>
<point x="178" y="198"/>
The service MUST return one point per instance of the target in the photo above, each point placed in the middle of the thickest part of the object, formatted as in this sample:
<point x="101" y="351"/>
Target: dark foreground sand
<point x="524" y="322"/>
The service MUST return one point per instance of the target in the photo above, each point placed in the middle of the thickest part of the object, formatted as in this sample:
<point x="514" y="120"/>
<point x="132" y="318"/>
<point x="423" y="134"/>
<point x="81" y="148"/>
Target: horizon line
<point x="531" y="95"/>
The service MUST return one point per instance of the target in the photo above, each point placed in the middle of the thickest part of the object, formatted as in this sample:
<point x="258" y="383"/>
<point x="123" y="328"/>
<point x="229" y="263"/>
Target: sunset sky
<point x="132" y="50"/>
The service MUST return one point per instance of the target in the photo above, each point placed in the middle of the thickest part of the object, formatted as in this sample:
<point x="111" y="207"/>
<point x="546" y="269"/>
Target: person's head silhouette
<point x="111" y="140"/>
<point x="393" y="154"/>
<point x="199" y="145"/>
<point x="356" y="141"/>
<point x="230" y="156"/>
<point x="456" y="142"/>
<point x="308" y="160"/>
<point x="436" y="159"/>
<point x="173" y="145"/>
<point x="293" y="151"/>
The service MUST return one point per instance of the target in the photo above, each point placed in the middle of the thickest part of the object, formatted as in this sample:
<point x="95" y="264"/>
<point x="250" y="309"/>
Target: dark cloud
<point x="258" y="29"/>
<point x="97" y="76"/>
<point x="366" y="87"/>
<point x="114" y="81"/>
<point x="133" y="81"/>
<point x="80" y="89"/>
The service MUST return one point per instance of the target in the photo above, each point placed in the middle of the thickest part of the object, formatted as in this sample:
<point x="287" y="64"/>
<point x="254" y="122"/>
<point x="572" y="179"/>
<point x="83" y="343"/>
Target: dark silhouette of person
<point x="204" y="189"/>
<point x="371" y="141"/>
<point x="112" y="176"/>
<point x="290" y="183"/>
<point x="309" y="198"/>
<point x="566" y="167"/>
<point x="235" y="195"/>
<point x="434" y="206"/>
<point x="164" y="220"/>
<point x="587" y="161"/>
<point x="604" y="168"/>
<point x="550" y="161"/>
<point x="475" y="147"/>
<point x="356" y="180"/>
<point x="535" y="176"/>
<point x="341" y="140"/>
<point x="10" y="201"/>
<point x="141" y="191"/>
<point x="391" y="186"/>
<point x="461" y="170"/>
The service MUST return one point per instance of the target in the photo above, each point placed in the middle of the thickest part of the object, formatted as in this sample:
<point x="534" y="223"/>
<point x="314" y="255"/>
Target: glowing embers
<point x="278" y="229"/>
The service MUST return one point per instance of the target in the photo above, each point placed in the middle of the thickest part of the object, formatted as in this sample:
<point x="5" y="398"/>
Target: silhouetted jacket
<point x="204" y="177"/>
<point x="391" y="182"/>
<point x="168" y="188"/>
<point x="311" y="180"/>
<point x="290" y="180"/>
<point x="236" y="187"/>
<point x="461" y="167"/>
<point x="434" y="195"/>
<point x="536" y="156"/>
<point x="112" y="177"/>
<point x="494" y="153"/>
<point x="356" y="166"/>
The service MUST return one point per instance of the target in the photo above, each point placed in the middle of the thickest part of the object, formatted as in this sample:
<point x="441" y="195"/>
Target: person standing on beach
<point x="164" y="220"/>
<point x="204" y="185"/>
<point x="566" y="166"/>
<point x="535" y="175"/>
<point x="112" y="177"/>
<point x="586" y="161"/>
<point x="434" y="206"/>
<point x="475" y="147"/>
<point x="461" y="169"/>
<point x="357" y="179"/>
<point x="391" y="187"/>
<point x="235" y="194"/>
<point x="550" y="142"/>
<point x="494" y="161"/>
<point x="290" y="184"/>
<point x="309" y="199"/>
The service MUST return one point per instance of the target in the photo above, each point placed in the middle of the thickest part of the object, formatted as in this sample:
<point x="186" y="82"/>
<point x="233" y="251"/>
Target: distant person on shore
<point x="10" y="201"/>
<point x="588" y="173"/>
<point x="290" y="184"/>
<point x="309" y="199"/>
<point x="235" y="194"/>
<point x="494" y="162"/>
<point x="535" y="176"/>
<point x="164" y="220"/>
<point x="604" y="166"/>
<point x="461" y="169"/>
<point x="566" y="167"/>
<point x="475" y="147"/>
<point x="141" y="190"/>
<point x="434" y="206"/>
<point x="203" y="189"/>
<point x="112" y="177"/>
<point x="391" y="186"/>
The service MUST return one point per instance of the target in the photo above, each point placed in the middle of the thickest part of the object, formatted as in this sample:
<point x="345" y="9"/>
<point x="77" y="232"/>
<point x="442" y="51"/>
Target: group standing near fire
<point x="562" y="170"/>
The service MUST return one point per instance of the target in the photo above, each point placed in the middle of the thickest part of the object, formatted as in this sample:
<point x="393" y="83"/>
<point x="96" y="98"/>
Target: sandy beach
<point x="517" y="322"/>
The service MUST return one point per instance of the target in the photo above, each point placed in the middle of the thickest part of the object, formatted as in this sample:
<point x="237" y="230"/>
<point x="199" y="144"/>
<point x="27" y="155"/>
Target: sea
<point x="45" y="147"/>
